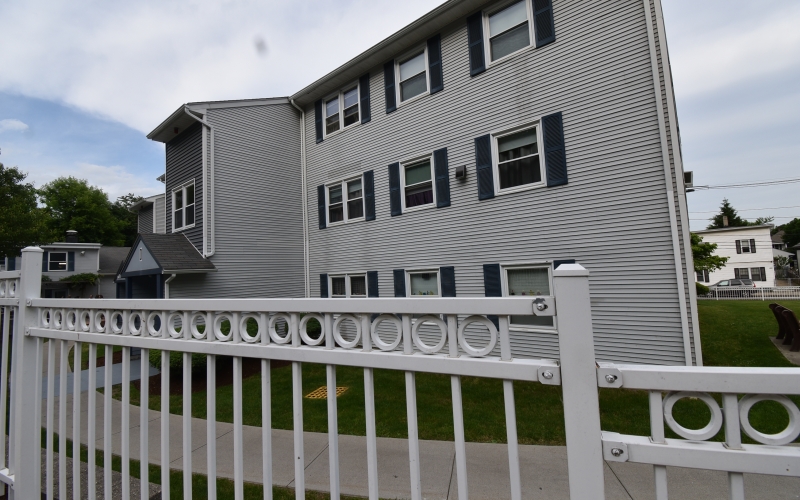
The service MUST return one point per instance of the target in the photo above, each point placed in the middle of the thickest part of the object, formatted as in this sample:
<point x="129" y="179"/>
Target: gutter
<point x="209" y="247"/>
<point x="304" y="190"/>
<point x="166" y="285"/>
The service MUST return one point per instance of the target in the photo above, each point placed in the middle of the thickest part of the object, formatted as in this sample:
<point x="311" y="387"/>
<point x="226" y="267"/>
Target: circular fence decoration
<point x="3" y="285"/>
<point x="786" y="436"/>
<point x="100" y="322"/>
<point x="46" y="317"/>
<point x="376" y="339"/>
<point x="218" y="320"/>
<point x="85" y="320"/>
<point x="428" y="318"/>
<point x="347" y="344"/>
<point x="151" y="324"/>
<point x="710" y="430"/>
<point x="12" y="289"/>
<point x="72" y="319"/>
<point x="194" y="322"/>
<point x="250" y="339"/>
<point x="304" y="329"/>
<point x="58" y="318"/>
<point x="135" y="323"/>
<point x="116" y="322"/>
<point x="462" y="340"/>
<point x="171" y="330"/>
<point x="273" y="333"/>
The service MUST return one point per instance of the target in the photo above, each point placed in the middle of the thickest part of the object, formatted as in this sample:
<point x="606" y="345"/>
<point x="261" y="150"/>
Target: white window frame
<point x="705" y="275"/>
<point x="348" y="288"/>
<point x="405" y="57"/>
<point x="411" y="162"/>
<point x="340" y="96"/>
<point x="435" y="271"/>
<point x="496" y="158"/>
<point x="504" y="268"/>
<point x="343" y="185"/>
<point x="50" y="261"/>
<point x="740" y="269"/>
<point x="486" y="36"/>
<point x="742" y="244"/>
<point x="758" y="270"/>
<point x="182" y="188"/>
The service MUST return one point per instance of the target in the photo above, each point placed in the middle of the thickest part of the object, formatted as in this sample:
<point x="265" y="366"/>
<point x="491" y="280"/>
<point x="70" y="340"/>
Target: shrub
<point x="702" y="289"/>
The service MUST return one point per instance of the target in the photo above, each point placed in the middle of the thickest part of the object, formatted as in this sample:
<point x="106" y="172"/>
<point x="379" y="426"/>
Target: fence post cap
<point x="570" y="270"/>
<point x="33" y="249"/>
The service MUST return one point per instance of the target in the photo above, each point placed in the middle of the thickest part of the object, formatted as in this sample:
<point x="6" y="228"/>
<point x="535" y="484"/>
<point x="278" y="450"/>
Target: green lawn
<point x="734" y="333"/>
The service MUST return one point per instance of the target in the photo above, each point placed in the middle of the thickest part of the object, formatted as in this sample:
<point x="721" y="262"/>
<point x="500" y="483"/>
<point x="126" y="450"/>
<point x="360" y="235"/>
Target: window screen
<point x="424" y="284"/>
<point x="531" y="281"/>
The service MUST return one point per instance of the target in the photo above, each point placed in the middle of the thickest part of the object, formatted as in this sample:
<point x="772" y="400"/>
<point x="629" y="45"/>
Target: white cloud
<point x="135" y="62"/>
<point x="114" y="180"/>
<point x="10" y="124"/>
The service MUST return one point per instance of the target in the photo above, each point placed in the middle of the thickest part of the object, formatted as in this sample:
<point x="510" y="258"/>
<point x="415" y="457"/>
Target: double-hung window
<point x="341" y="110"/>
<point x="346" y="201"/>
<point x="755" y="274"/>
<point x="423" y="283"/>
<point x="348" y="285"/>
<point x="528" y="280"/>
<point x="183" y="206"/>
<point x="412" y="73"/>
<point x="702" y="276"/>
<point x="57" y="261"/>
<point x="746" y="247"/>
<point x="417" y="183"/>
<point x="509" y="29"/>
<point x="517" y="159"/>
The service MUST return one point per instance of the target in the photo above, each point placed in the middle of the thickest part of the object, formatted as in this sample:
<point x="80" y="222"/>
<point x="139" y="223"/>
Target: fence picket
<point x="62" y="419"/>
<point x="76" y="419"/>
<point x="91" y="432"/>
<point x="657" y="435"/>
<point x="125" y="421"/>
<point x="108" y="384"/>
<point x="51" y="398"/>
<point x="144" y="424"/>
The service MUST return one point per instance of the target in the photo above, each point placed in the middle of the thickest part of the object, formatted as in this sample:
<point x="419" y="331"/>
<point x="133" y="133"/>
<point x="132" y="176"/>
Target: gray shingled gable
<point x="173" y="252"/>
<point x="111" y="258"/>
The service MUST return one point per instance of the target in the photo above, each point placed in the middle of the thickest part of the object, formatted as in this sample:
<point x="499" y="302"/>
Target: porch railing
<point x="754" y="293"/>
<point x="453" y="336"/>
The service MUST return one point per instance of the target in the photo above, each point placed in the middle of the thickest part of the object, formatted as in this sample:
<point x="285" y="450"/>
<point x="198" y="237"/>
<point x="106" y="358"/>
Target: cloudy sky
<point x="82" y="82"/>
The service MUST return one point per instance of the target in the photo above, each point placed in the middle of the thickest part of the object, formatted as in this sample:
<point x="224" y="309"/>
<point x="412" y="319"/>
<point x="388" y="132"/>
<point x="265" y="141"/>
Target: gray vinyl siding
<point x="146" y="220"/>
<point x="159" y="206"/>
<point x="86" y="263"/>
<point x="258" y="218"/>
<point x="185" y="162"/>
<point x="612" y="217"/>
<point x="107" y="287"/>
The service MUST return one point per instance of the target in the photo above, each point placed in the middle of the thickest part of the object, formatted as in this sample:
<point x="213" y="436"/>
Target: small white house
<point x="749" y="252"/>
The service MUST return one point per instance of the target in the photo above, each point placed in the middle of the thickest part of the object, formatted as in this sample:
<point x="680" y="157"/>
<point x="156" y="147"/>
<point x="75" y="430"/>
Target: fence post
<point x="27" y="434"/>
<point x="579" y="382"/>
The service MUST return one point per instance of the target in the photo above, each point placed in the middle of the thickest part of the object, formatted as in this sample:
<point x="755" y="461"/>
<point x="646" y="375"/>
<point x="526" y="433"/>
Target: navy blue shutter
<point x="543" y="22"/>
<point x="435" y="64"/>
<point x="447" y="275"/>
<point x="318" y="119"/>
<point x="738" y="246"/>
<point x="323" y="286"/>
<point x="363" y="89"/>
<point x="483" y="167"/>
<point x="372" y="284"/>
<point x="442" y="175"/>
<point x="388" y="80"/>
<point x="394" y="189"/>
<point x="44" y="261"/>
<point x="554" y="154"/>
<point x="557" y="263"/>
<point x="321" y="206"/>
<point x="752" y="246"/>
<point x="70" y="261"/>
<point x="492" y="286"/>
<point x="477" y="58"/>
<point x="736" y="273"/>
<point x="369" y="195"/>
<point x="399" y="282"/>
<point x="763" y="273"/>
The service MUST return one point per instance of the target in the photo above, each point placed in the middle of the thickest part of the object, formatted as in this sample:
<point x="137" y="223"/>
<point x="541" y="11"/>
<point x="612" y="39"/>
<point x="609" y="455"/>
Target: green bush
<point x="701" y="289"/>
<point x="176" y="360"/>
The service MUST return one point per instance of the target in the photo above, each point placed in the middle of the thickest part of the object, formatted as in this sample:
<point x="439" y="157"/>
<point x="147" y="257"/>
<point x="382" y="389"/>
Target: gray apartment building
<point x="468" y="154"/>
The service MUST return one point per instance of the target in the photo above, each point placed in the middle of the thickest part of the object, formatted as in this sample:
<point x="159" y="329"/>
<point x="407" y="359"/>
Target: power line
<point x="773" y="182"/>
<point x="741" y="210"/>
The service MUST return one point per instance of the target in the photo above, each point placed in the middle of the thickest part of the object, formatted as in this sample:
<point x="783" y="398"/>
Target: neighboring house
<point x="777" y="241"/>
<point x="151" y="213"/>
<point x="63" y="259"/>
<point x="468" y="154"/>
<point x="749" y="252"/>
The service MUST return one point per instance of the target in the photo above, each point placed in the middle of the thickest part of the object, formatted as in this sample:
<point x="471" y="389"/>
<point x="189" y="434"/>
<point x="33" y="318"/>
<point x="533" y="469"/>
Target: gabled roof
<point x="734" y="228"/>
<point x="145" y="203"/>
<point x="173" y="254"/>
<point x="111" y="258"/>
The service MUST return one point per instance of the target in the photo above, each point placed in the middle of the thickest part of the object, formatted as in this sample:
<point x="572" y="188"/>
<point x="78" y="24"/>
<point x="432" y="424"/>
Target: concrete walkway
<point x="544" y="468"/>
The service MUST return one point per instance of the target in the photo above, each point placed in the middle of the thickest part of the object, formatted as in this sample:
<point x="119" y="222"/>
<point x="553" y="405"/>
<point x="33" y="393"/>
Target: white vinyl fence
<point x="173" y="325"/>
<point x="752" y="293"/>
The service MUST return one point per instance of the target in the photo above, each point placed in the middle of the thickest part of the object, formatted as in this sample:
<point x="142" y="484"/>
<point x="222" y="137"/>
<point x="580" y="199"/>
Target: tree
<point x="22" y="222"/>
<point x="733" y="218"/>
<point x="703" y="253"/>
<point x="129" y="221"/>
<point x="73" y="204"/>
<point x="791" y="232"/>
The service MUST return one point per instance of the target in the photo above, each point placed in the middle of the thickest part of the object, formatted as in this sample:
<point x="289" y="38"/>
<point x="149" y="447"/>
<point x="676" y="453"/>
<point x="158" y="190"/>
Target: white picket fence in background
<point x="172" y="325"/>
<point x="753" y="293"/>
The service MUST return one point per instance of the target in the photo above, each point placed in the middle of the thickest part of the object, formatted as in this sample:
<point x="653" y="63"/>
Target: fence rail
<point x="453" y="336"/>
<point x="753" y="293"/>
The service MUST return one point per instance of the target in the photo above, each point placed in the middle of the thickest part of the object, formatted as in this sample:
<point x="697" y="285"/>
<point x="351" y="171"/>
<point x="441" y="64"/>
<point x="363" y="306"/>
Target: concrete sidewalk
<point x="543" y="468"/>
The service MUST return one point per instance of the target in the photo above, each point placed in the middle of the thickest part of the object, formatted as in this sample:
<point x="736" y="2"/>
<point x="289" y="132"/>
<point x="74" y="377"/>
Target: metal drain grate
<point x="322" y="392"/>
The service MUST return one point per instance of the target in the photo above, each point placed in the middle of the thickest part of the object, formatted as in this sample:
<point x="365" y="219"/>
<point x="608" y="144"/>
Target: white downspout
<point x="166" y="285"/>
<point x="208" y="191"/>
<point x="304" y="192"/>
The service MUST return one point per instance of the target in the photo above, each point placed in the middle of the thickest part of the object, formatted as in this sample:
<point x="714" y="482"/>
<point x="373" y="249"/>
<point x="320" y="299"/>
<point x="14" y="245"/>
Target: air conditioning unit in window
<point x="688" y="181"/>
